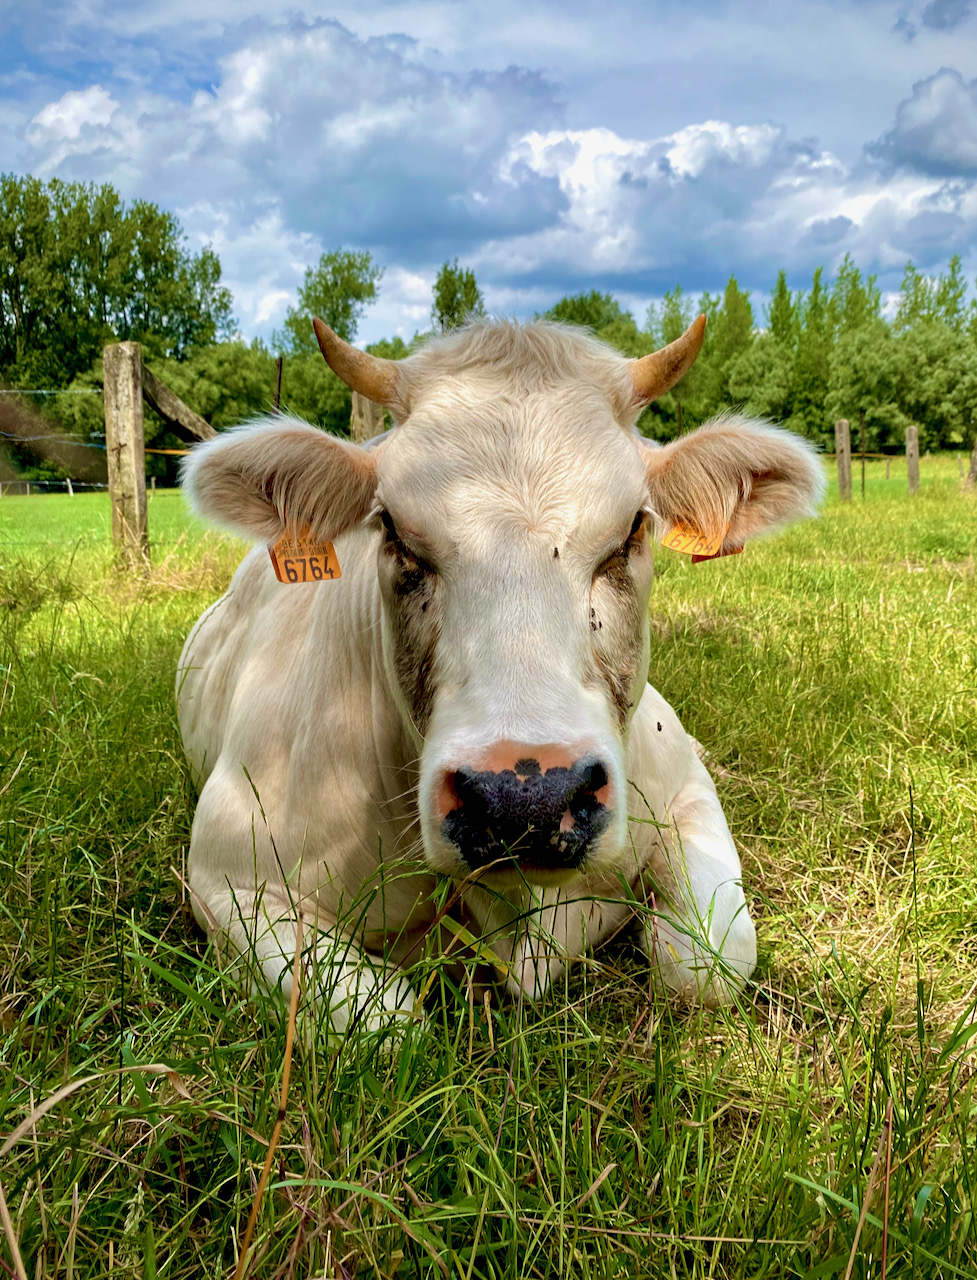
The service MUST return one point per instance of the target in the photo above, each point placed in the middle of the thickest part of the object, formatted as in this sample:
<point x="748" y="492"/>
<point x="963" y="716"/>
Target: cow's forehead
<point x="550" y="456"/>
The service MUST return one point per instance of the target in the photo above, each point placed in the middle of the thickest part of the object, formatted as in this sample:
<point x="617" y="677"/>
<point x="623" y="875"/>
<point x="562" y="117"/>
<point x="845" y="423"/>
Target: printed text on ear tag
<point x="299" y="557"/>
<point x="691" y="542"/>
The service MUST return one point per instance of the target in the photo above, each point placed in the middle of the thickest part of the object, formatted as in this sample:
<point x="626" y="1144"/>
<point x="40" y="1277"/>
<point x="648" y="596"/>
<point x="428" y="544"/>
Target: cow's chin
<point x="514" y="872"/>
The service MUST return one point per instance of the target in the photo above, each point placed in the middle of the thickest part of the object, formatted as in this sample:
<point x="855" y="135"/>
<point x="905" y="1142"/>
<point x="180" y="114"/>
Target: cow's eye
<point x="387" y="521"/>
<point x="393" y="540"/>
<point x="630" y="543"/>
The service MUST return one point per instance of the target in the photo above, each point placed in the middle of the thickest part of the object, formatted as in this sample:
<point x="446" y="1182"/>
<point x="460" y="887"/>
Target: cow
<point x="457" y="695"/>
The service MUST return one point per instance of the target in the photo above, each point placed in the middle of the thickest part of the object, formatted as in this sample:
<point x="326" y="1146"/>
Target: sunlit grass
<point x="831" y="673"/>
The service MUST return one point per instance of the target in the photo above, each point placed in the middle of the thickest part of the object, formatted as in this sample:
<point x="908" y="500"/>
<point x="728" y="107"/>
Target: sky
<point x="552" y="147"/>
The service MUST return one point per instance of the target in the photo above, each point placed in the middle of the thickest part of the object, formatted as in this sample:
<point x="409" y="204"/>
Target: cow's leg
<point x="245" y="895"/>
<point x="700" y="935"/>
<point x="347" y="985"/>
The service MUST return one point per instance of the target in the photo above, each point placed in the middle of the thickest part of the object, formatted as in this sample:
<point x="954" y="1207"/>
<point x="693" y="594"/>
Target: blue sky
<point x="552" y="147"/>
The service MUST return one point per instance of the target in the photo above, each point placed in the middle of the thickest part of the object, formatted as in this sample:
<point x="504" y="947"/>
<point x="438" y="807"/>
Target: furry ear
<point x="250" y="479"/>
<point x="733" y="474"/>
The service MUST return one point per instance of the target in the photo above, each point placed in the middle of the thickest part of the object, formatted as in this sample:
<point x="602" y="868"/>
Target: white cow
<point x="469" y="699"/>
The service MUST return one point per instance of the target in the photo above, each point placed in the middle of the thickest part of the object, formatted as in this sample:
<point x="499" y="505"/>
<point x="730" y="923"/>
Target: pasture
<point x="831" y="674"/>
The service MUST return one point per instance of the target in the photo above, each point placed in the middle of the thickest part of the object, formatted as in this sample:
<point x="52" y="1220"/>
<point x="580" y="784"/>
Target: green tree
<point x="853" y="302"/>
<point x="729" y="333"/>
<point x="593" y="310"/>
<point x="761" y="378"/>
<point x="916" y="299"/>
<point x="811" y="366"/>
<point x="782" y="314"/>
<point x="338" y="290"/>
<point x="867" y="372"/>
<point x="457" y="297"/>
<point x="79" y="269"/>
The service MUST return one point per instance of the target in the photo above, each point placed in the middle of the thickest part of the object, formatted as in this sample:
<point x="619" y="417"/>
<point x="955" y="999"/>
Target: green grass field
<point x="832" y="675"/>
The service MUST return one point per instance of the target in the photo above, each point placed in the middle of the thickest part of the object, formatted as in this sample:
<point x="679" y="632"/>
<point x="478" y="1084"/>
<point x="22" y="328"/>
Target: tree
<point x="853" y="303"/>
<point x="782" y="314"/>
<point x="761" y="378"/>
<point x="867" y="372"/>
<point x="79" y="269"/>
<point x="337" y="290"/>
<point x="593" y="310"/>
<point x="811" y="365"/>
<point x="457" y="298"/>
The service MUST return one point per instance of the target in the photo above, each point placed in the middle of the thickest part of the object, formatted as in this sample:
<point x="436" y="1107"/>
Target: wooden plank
<point x="912" y="457"/>
<point x="124" y="447"/>
<point x="843" y="453"/>
<point x="367" y="419"/>
<point x="169" y="406"/>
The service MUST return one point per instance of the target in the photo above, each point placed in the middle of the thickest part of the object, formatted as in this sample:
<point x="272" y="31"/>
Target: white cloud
<point x="936" y="127"/>
<point x="676" y="146"/>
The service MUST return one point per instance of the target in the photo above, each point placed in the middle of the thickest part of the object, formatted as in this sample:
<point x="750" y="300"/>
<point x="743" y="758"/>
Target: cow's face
<point x="511" y="510"/>
<point x="514" y="567"/>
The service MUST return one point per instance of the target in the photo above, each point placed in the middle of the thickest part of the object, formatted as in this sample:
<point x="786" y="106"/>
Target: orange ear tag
<point x="298" y="557"/>
<point x="700" y="546"/>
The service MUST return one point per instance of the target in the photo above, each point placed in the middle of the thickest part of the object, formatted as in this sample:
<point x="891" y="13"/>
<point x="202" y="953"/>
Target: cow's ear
<point x="250" y="479"/>
<point x="733" y="476"/>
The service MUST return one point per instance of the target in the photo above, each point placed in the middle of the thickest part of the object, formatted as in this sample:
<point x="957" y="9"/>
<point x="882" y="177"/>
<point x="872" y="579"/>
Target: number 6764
<point x="312" y="569"/>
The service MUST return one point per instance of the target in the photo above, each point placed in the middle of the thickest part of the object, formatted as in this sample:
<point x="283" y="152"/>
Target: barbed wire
<point x="77" y="485"/>
<point x="44" y="391"/>
<point x="28" y="440"/>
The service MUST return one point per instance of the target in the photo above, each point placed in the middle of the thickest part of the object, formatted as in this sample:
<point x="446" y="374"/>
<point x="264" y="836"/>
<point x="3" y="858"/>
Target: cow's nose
<point x="538" y="813"/>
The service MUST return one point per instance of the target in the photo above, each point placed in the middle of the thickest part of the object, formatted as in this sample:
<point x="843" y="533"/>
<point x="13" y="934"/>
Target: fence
<point x="843" y="455"/>
<point x="127" y="384"/>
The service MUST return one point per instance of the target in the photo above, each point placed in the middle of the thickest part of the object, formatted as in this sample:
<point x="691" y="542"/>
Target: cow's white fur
<point x="514" y="442"/>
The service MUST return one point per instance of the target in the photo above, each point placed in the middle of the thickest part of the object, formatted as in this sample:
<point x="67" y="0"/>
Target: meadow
<point x="827" y="1127"/>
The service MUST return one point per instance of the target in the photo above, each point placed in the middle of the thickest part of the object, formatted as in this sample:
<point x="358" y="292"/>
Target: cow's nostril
<point x="548" y="817"/>
<point x="595" y="777"/>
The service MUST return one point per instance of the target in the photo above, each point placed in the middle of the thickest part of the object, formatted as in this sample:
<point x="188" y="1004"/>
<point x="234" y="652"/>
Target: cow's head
<point x="512" y="507"/>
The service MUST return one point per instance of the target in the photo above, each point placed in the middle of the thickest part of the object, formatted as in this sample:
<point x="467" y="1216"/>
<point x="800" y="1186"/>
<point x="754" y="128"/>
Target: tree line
<point x="79" y="268"/>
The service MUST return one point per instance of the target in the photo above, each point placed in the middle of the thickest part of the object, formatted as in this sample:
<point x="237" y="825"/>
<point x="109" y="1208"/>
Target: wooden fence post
<point x="888" y="464"/>
<point x="367" y="419"/>
<point x="862" y="420"/>
<point x="912" y="457"/>
<point x="971" y="481"/>
<point x="125" y="450"/>
<point x="71" y="492"/>
<point x="843" y="451"/>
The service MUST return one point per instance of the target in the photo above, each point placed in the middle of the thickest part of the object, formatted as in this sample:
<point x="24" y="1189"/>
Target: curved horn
<point x="653" y="375"/>
<point x="369" y="375"/>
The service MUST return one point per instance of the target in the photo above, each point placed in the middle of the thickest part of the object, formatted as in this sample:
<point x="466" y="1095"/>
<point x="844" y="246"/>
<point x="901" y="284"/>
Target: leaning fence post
<point x="367" y="419"/>
<point x="843" y="451"/>
<point x="912" y="457"/>
<point x="125" y="450"/>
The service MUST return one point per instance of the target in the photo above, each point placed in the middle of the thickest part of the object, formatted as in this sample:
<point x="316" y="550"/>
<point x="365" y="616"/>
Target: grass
<point x="832" y="675"/>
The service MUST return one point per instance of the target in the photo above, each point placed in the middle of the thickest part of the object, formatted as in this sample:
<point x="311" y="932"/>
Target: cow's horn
<point x="653" y="375"/>
<point x="369" y="375"/>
